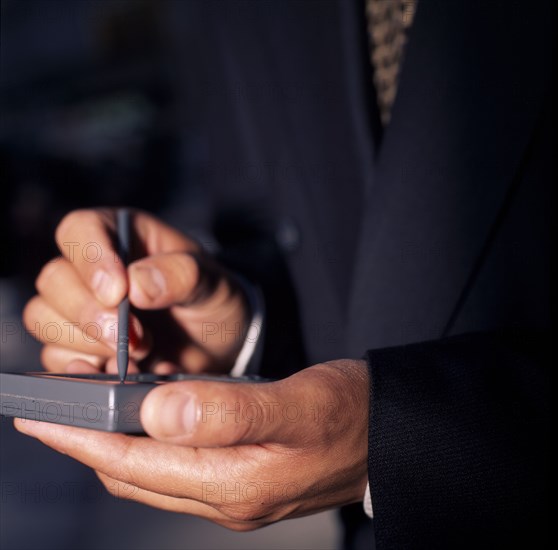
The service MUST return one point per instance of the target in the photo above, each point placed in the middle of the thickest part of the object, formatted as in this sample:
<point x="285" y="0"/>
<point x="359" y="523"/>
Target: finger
<point x="49" y="327"/>
<point x="61" y="287"/>
<point x="86" y="239"/>
<point x="172" y="504"/>
<point x="218" y="414"/>
<point x="197" y="360"/>
<point x="133" y="460"/>
<point x="57" y="359"/>
<point x="201" y="475"/>
<point x="158" y="237"/>
<point x="81" y="367"/>
<point x="165" y="368"/>
<point x="164" y="280"/>
<point x="93" y="338"/>
<point x="179" y="505"/>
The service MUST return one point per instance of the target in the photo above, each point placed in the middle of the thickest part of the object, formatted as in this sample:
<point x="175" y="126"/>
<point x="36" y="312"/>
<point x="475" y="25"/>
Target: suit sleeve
<point x="458" y="441"/>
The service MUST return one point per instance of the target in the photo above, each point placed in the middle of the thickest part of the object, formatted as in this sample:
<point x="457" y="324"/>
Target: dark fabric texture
<point x="459" y="442"/>
<point x="376" y="239"/>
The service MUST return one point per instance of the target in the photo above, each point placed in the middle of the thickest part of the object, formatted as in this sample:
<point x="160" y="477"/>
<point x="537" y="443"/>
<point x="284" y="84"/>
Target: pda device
<point x="96" y="401"/>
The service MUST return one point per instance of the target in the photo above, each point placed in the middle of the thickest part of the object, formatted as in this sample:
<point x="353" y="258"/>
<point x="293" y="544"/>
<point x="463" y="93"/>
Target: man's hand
<point x="186" y="305"/>
<point x="242" y="455"/>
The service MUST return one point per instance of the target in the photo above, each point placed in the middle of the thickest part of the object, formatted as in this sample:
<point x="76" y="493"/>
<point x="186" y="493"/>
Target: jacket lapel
<point x="469" y="95"/>
<point x="317" y="55"/>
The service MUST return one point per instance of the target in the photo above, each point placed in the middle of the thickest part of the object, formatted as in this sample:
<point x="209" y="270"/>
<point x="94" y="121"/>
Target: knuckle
<point x="46" y="274"/>
<point x="123" y="468"/>
<point x="188" y="269"/>
<point x="46" y="358"/>
<point x="93" y="220"/>
<point x="108" y="483"/>
<point x="68" y="222"/>
<point x="31" y="312"/>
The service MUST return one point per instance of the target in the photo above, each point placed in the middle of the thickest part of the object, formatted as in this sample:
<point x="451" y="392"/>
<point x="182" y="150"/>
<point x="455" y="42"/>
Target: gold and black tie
<point x="388" y="22"/>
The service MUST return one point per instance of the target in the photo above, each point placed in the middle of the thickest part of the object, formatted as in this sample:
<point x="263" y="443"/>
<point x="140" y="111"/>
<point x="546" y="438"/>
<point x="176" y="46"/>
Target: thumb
<point x="219" y="414"/>
<point x="168" y="279"/>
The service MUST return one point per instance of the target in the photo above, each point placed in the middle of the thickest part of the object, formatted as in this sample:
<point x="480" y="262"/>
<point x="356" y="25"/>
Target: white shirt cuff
<point x="250" y="352"/>
<point x="367" y="502"/>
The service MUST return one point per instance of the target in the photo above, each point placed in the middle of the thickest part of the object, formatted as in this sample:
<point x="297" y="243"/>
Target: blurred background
<point x="91" y="113"/>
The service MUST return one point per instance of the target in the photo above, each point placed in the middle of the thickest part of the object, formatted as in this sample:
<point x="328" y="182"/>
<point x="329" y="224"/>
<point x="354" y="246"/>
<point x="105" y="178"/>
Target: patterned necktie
<point x="388" y="22"/>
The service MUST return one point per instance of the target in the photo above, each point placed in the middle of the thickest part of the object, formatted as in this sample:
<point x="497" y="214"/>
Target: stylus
<point x="123" y="235"/>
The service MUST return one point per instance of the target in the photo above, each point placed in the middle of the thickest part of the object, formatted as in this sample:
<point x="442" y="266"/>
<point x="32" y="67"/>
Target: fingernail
<point x="136" y="331"/>
<point x="178" y="415"/>
<point x="150" y="280"/>
<point x="104" y="287"/>
<point x="139" y="343"/>
<point x="136" y="327"/>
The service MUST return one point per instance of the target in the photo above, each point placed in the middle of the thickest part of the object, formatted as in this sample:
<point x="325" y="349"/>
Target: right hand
<point x="188" y="312"/>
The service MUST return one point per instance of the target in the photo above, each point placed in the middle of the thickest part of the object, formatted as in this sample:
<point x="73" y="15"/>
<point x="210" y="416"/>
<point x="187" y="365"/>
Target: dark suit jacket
<point x="424" y="247"/>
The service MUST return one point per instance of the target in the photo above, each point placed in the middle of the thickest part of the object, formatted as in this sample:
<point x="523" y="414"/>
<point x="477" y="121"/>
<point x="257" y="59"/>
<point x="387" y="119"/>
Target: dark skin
<point x="242" y="455"/>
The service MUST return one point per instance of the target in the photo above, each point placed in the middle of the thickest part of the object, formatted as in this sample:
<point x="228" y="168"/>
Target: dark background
<point x="92" y="114"/>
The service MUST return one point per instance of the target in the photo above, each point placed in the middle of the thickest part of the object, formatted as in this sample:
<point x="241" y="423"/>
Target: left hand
<point x="242" y="455"/>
